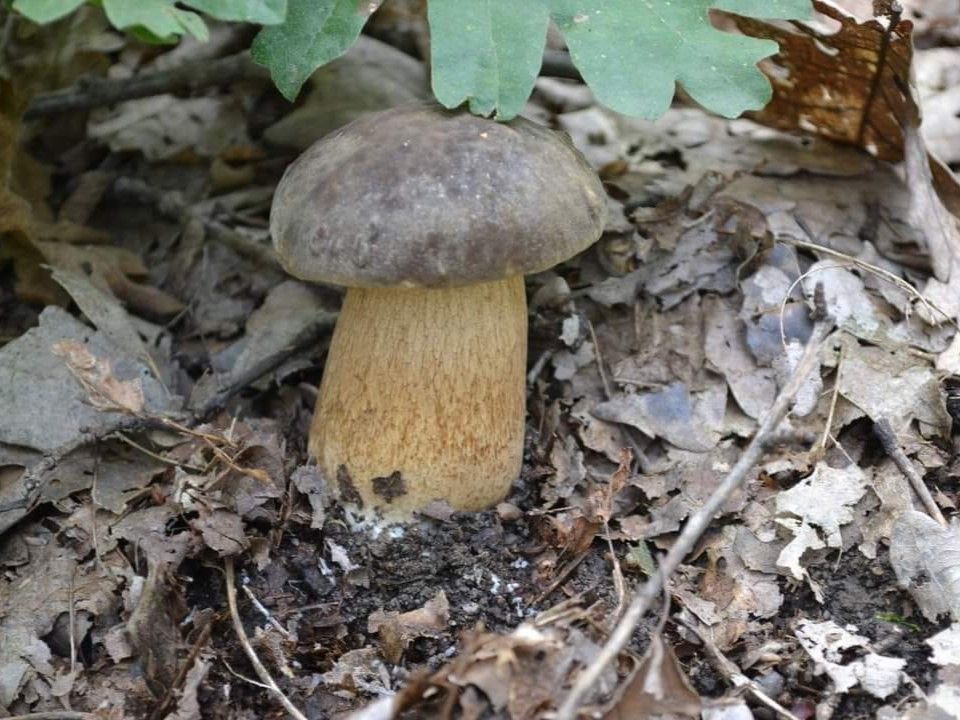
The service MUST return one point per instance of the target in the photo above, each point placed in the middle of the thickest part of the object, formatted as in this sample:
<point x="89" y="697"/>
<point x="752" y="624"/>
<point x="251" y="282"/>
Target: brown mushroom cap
<point x="420" y="196"/>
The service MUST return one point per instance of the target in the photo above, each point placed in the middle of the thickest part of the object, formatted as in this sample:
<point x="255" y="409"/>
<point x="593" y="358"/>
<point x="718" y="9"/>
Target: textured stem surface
<point x="423" y="397"/>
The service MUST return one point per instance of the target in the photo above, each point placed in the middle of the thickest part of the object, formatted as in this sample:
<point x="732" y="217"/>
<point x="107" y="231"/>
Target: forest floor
<point x="158" y="373"/>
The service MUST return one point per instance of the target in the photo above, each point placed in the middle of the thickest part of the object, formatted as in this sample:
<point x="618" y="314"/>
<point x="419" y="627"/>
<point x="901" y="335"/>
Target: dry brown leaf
<point x="851" y="86"/>
<point x="521" y="673"/>
<point x="35" y="595"/>
<point x="111" y="269"/>
<point x="103" y="311"/>
<point x="833" y="648"/>
<point x="30" y="246"/>
<point x="153" y="627"/>
<point x="601" y="498"/>
<point x="658" y="687"/>
<point x="571" y="532"/>
<point x="927" y="211"/>
<point x="164" y="127"/>
<point x="188" y="706"/>
<point x="398" y="630"/>
<point x="222" y="531"/>
<point x="688" y="420"/>
<point x="359" y="670"/>
<point x="855" y="86"/>
<point x="926" y="559"/>
<point x="146" y="528"/>
<point x="104" y="391"/>
<point x="31" y="282"/>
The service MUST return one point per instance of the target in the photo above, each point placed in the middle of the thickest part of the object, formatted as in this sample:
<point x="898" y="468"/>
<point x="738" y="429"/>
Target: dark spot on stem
<point x="390" y="487"/>
<point x="348" y="491"/>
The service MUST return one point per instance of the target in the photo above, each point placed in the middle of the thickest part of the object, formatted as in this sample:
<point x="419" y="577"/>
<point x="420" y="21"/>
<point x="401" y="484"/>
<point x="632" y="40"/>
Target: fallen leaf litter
<point x="124" y="515"/>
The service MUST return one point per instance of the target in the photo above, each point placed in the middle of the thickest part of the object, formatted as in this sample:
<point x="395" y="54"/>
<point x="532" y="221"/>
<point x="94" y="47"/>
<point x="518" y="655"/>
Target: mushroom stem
<point x="423" y="397"/>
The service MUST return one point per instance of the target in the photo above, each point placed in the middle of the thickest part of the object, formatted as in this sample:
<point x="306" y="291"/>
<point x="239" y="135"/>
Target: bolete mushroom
<point x="430" y="218"/>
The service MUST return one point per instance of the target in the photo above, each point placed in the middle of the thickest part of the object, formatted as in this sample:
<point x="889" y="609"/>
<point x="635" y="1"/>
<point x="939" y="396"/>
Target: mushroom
<point x="430" y="218"/>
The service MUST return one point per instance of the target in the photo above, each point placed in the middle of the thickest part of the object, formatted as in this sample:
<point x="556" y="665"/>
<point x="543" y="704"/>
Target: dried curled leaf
<point x="657" y="686"/>
<point x="833" y="649"/>
<point x="398" y="630"/>
<point x="926" y="559"/>
<point x="851" y="86"/>
<point x="855" y="86"/>
<point x="104" y="391"/>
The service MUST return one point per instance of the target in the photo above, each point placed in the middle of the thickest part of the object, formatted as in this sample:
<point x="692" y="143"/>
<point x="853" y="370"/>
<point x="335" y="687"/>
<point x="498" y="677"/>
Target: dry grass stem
<point x="262" y="672"/>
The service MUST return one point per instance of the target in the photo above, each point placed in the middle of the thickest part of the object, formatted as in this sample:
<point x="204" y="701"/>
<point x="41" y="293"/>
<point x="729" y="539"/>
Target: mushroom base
<point x="423" y="398"/>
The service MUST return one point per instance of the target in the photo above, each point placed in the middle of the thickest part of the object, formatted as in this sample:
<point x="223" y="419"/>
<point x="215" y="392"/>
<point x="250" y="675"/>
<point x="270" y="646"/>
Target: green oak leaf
<point x="45" y="11"/>
<point x="486" y="53"/>
<point x="157" y="20"/>
<point x="633" y="53"/>
<point x="313" y="33"/>
<point x="262" y="12"/>
<point x="770" y="9"/>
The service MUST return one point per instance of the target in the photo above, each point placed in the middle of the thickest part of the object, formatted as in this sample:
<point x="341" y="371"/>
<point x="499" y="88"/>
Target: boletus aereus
<point x="430" y="218"/>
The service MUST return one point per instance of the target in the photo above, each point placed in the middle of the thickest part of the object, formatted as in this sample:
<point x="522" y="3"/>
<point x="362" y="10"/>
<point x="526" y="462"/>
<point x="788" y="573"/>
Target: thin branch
<point x="888" y="438"/>
<point x="598" y="357"/>
<point x="56" y="715"/>
<point x="149" y="453"/>
<point x="248" y="648"/>
<point x="92" y="92"/>
<point x="266" y="613"/>
<point x="172" y="205"/>
<point x="729" y="669"/>
<point x="833" y="398"/>
<point x="234" y="383"/>
<point x="166" y="702"/>
<point x="696" y="526"/>
<point x="893" y="19"/>
<point x="73" y="616"/>
<point x="870" y="268"/>
<point x="31" y="483"/>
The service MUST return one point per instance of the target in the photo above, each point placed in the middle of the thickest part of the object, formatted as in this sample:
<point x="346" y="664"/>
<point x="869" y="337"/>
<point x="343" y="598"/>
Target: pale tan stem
<point x="423" y="397"/>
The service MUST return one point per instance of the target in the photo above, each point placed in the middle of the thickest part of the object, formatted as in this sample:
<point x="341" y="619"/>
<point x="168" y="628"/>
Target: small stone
<point x="509" y="512"/>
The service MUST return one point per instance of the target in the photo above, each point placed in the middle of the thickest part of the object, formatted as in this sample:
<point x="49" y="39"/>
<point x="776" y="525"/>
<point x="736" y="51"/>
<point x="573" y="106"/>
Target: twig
<point x="172" y="205"/>
<point x="598" y="357"/>
<point x="56" y="715"/>
<point x="149" y="453"/>
<point x="30" y="483"/>
<point x="619" y="585"/>
<point x="562" y="576"/>
<point x="732" y="672"/>
<point x="696" y="525"/>
<point x="248" y="648"/>
<point x="833" y="398"/>
<point x="892" y="11"/>
<point x="888" y="438"/>
<point x="235" y="383"/>
<point x="92" y="92"/>
<point x="241" y="676"/>
<point x="73" y="616"/>
<point x="866" y="267"/>
<point x="266" y="613"/>
<point x="538" y="366"/>
<point x="161" y="709"/>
